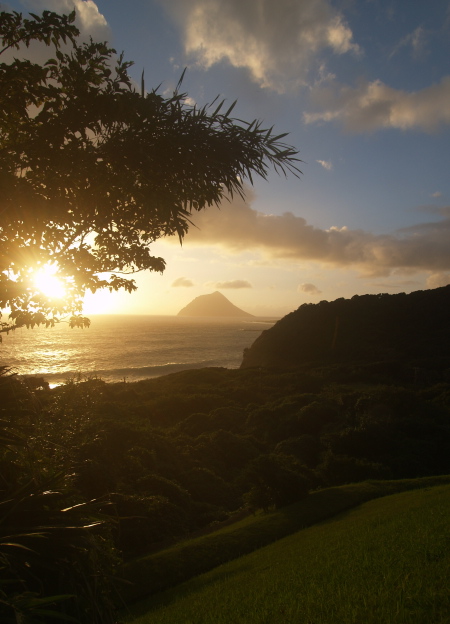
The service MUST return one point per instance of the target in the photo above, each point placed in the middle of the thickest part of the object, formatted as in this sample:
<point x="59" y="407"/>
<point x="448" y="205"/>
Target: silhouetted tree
<point x="93" y="171"/>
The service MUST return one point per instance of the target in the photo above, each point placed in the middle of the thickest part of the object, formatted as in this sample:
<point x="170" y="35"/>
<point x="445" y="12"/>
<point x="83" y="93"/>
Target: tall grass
<point x="386" y="562"/>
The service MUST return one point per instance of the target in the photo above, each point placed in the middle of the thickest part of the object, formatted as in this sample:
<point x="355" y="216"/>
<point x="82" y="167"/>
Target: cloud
<point x="442" y="211"/>
<point x="398" y="285"/>
<point x="183" y="282"/>
<point x="436" y="194"/>
<point x="416" y="39"/>
<point x="436" y="280"/>
<point x="309" y="289"/>
<point x="234" y="284"/>
<point x="89" y="19"/>
<point x="276" y="41"/>
<point x="239" y="228"/>
<point x="374" y="105"/>
<point x="326" y="164"/>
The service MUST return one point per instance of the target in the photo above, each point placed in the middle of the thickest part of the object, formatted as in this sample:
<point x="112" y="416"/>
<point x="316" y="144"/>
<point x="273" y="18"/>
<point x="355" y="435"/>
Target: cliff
<point x="364" y="328"/>
<point x="214" y="304"/>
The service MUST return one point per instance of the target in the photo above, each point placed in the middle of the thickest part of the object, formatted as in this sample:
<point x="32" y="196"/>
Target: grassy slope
<point x="170" y="567"/>
<point x="386" y="561"/>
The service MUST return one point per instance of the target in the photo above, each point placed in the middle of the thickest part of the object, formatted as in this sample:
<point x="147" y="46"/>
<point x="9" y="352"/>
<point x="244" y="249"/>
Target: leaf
<point x="180" y="80"/>
<point x="15" y="545"/>
<point x="230" y="109"/>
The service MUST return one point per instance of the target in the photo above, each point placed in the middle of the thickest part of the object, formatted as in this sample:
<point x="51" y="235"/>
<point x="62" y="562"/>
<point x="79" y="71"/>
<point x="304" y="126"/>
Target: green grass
<point x="159" y="571"/>
<point x="386" y="562"/>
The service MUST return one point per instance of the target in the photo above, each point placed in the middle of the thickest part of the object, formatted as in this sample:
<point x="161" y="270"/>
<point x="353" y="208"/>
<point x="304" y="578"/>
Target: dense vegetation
<point x="174" y="456"/>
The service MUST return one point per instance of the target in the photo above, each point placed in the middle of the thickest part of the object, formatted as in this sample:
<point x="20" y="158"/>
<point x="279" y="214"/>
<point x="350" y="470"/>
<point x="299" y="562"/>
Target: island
<point x="214" y="304"/>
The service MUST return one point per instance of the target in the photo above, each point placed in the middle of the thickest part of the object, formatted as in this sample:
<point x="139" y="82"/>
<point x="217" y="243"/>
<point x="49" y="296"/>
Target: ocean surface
<point x="118" y="348"/>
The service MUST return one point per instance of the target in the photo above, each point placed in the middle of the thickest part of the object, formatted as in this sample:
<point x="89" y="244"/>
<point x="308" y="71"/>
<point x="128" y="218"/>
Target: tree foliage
<point x="56" y="554"/>
<point x="93" y="170"/>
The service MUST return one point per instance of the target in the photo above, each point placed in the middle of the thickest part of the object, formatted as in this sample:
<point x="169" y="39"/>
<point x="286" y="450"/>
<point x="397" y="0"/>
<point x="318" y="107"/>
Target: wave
<point x="123" y="349"/>
<point x="130" y="374"/>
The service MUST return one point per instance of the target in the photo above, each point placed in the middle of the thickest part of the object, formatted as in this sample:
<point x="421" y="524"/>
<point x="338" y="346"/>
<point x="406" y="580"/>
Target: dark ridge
<point x="363" y="328"/>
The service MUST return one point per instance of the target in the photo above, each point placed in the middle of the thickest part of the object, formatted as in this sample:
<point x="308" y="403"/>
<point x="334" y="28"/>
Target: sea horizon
<point x="130" y="347"/>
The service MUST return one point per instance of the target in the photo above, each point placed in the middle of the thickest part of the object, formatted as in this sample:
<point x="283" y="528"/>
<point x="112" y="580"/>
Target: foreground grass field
<point x="388" y="561"/>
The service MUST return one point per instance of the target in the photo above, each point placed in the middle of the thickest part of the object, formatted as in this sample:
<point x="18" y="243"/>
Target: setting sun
<point x="48" y="283"/>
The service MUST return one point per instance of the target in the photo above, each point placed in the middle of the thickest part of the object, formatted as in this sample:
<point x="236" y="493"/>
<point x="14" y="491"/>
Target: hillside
<point x="384" y="561"/>
<point x="366" y="328"/>
<point x="214" y="304"/>
<point x="176" y="455"/>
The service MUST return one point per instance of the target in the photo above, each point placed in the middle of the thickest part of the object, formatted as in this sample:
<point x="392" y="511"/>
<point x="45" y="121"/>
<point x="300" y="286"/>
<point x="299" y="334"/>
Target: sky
<point x="363" y="89"/>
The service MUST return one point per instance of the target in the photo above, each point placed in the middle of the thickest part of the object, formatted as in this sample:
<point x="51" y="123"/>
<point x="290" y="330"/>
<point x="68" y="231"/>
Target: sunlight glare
<point x="48" y="284"/>
<point x="101" y="302"/>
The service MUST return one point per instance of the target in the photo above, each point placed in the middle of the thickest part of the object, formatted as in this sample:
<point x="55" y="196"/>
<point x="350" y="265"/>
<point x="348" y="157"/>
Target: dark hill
<point x="214" y="304"/>
<point x="364" y="328"/>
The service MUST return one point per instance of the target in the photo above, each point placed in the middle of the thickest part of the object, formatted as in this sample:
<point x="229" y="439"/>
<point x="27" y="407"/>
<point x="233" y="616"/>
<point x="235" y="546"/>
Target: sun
<point x="48" y="283"/>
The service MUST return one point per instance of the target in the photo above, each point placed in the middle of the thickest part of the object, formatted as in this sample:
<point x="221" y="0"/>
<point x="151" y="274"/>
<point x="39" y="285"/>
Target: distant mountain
<point x="366" y="328"/>
<point x="214" y="304"/>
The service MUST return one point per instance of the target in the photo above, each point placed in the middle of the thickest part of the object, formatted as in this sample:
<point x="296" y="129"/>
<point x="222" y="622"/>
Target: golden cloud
<point x="234" y="284"/>
<point x="275" y="41"/>
<point x="309" y="289"/>
<point x="374" y="105"/>
<point x="238" y="228"/>
<point x="183" y="282"/>
<point x="89" y="19"/>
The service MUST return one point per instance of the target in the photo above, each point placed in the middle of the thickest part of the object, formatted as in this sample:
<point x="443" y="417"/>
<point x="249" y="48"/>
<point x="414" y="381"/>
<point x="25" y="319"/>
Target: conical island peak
<point x="212" y="305"/>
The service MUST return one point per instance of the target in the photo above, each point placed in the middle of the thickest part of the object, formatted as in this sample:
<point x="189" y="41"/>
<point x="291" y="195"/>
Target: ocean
<point x="129" y="348"/>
